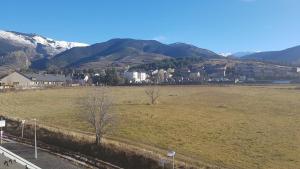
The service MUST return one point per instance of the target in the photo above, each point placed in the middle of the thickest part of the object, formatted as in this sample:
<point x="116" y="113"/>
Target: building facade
<point x="135" y="77"/>
<point x="32" y="80"/>
<point x="16" y="79"/>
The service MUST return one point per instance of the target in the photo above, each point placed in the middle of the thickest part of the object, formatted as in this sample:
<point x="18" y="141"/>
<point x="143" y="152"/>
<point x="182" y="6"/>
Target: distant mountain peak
<point x="243" y="53"/>
<point x="178" y="43"/>
<point x="43" y="52"/>
<point x="126" y="52"/>
<point x="182" y="44"/>
<point x="30" y="39"/>
<point x="224" y="54"/>
<point x="21" y="50"/>
<point x="23" y="34"/>
<point x="289" y="56"/>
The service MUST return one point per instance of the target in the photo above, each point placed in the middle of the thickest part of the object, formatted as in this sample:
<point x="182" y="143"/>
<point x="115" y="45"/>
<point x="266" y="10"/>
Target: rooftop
<point x="47" y="77"/>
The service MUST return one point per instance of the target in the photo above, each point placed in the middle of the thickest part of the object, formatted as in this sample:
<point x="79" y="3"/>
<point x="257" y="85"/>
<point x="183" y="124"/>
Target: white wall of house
<point x="136" y="76"/>
<point x="142" y="76"/>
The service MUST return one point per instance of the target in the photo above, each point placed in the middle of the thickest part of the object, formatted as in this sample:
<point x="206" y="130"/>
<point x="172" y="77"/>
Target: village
<point x="206" y="74"/>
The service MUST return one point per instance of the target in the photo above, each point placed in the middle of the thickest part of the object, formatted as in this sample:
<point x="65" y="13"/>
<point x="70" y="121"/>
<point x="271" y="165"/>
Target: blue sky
<point x="218" y="25"/>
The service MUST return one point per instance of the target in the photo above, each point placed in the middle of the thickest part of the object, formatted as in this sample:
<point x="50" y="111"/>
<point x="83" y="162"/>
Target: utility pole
<point x="35" y="146"/>
<point x="172" y="154"/>
<point x="2" y="124"/>
<point x="1" y="133"/>
<point x="23" y="123"/>
<point x="173" y="162"/>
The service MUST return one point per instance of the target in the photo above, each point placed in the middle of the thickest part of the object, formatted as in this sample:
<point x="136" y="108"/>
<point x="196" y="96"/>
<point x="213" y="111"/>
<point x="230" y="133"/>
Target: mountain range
<point x="290" y="56"/>
<point x="242" y="54"/>
<point x="18" y="50"/>
<point x="23" y="51"/>
<point x="237" y="54"/>
<point x="125" y="52"/>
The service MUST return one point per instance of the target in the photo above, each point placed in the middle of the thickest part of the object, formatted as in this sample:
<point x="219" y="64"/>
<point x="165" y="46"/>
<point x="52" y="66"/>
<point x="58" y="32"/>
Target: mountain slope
<point x="19" y="50"/>
<point x="124" y="52"/>
<point x="50" y="46"/>
<point x="290" y="56"/>
<point x="242" y="54"/>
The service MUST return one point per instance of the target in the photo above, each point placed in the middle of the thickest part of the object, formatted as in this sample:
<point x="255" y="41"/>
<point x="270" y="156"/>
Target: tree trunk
<point x="98" y="139"/>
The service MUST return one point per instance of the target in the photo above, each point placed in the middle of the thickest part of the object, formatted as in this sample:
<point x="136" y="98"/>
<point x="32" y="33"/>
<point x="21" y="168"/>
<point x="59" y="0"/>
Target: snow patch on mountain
<point x="237" y="54"/>
<point x="57" y="44"/>
<point x="242" y="54"/>
<point x="32" y="40"/>
<point x="18" y="39"/>
<point x="225" y="54"/>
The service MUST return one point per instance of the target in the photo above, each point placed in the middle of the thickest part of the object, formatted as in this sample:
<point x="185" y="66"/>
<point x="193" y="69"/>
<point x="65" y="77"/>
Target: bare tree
<point x="153" y="93"/>
<point x="98" y="107"/>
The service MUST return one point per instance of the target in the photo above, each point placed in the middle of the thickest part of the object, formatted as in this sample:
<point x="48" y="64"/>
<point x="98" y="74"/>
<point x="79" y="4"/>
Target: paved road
<point x="9" y="164"/>
<point x="45" y="159"/>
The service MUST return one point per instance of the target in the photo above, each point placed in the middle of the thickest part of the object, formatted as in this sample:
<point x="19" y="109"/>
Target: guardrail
<point x="69" y="155"/>
<point x="149" y="150"/>
<point x="18" y="159"/>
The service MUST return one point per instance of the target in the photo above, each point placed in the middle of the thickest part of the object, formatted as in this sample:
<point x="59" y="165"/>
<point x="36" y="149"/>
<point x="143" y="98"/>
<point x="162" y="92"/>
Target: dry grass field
<point x="233" y="126"/>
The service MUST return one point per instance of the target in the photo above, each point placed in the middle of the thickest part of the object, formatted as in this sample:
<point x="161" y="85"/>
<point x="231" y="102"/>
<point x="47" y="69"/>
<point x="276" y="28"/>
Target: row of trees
<point x="176" y="63"/>
<point x="109" y="77"/>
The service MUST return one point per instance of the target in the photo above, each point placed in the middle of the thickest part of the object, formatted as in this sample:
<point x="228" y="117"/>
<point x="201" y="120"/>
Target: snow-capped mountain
<point x="242" y="54"/>
<point x="225" y="54"/>
<point x="237" y="54"/>
<point x="22" y="50"/>
<point x="50" y="46"/>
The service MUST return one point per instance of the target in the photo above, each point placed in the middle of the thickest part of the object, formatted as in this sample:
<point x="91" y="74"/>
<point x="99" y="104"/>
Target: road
<point x="7" y="163"/>
<point x="45" y="159"/>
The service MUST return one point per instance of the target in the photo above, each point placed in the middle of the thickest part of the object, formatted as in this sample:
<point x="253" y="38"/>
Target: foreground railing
<point x="17" y="158"/>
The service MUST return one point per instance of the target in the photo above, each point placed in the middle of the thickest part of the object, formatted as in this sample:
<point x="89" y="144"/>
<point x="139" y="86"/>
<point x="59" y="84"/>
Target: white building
<point x="136" y="77"/>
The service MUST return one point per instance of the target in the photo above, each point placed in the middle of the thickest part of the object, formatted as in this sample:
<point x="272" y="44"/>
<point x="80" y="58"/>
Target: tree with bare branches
<point x="153" y="93"/>
<point x="98" y="112"/>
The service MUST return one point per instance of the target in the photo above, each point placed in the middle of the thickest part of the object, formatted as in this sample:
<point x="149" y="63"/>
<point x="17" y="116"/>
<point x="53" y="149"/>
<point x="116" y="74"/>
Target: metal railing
<point x="17" y="158"/>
